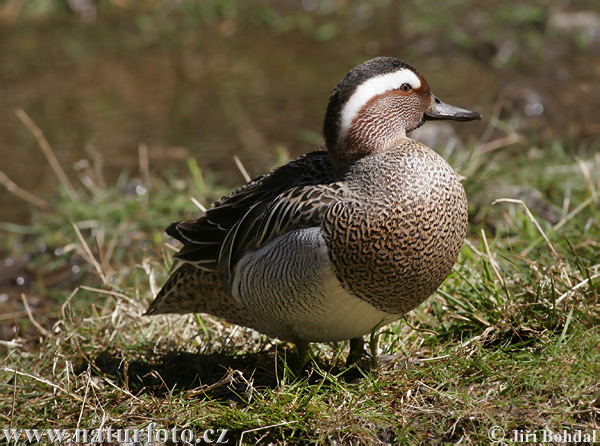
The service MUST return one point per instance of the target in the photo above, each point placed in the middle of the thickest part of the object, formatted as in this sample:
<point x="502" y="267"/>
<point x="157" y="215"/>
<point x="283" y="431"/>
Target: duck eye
<point x="405" y="87"/>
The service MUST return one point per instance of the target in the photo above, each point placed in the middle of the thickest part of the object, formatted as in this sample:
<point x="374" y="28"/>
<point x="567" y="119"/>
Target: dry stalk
<point x="86" y="176"/>
<point x="110" y="293"/>
<point x="147" y="267"/>
<point x="242" y="169"/>
<point x="109" y="251"/>
<point x="22" y="193"/>
<point x="45" y="146"/>
<point x="499" y="143"/>
<point x="422" y="330"/>
<point x="41" y="329"/>
<point x="575" y="288"/>
<point x="87" y="388"/>
<point x="97" y="165"/>
<point x="125" y="391"/>
<point x="99" y="244"/>
<point x="198" y="204"/>
<point x="491" y="259"/>
<point x="566" y="200"/>
<point x="473" y="248"/>
<point x="573" y="213"/>
<point x="90" y="257"/>
<point x="144" y="164"/>
<point x="43" y="381"/>
<point x="12" y="315"/>
<point x="285" y="423"/>
<point x="588" y="178"/>
<point x="532" y="218"/>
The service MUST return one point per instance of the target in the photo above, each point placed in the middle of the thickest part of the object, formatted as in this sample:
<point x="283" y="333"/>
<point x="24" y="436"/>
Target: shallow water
<point x="220" y="80"/>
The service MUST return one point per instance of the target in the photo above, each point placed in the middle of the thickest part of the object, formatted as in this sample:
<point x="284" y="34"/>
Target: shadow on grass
<point x="221" y="375"/>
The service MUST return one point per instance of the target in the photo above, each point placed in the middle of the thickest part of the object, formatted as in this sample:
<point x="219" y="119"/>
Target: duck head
<point x="376" y="104"/>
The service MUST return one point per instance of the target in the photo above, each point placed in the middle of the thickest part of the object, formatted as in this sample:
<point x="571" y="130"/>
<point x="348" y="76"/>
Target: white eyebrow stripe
<point x="373" y="87"/>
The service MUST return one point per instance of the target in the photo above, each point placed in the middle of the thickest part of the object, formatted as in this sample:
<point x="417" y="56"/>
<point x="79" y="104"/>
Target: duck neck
<point x="356" y="146"/>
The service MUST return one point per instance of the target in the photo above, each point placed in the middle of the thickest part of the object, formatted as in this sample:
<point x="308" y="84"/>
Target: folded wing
<point x="293" y="196"/>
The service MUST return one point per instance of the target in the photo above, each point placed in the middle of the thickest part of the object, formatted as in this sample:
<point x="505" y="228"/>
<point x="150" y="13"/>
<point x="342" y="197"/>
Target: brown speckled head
<point x="373" y="107"/>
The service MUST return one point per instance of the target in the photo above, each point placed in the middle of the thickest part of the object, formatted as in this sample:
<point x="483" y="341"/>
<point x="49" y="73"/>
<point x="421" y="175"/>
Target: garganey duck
<point x="336" y="243"/>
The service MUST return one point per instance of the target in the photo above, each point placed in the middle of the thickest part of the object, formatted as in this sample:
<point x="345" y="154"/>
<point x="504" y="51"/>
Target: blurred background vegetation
<point x="215" y="78"/>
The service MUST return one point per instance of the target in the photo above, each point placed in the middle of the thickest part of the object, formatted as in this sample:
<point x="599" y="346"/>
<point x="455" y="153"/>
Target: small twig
<point x="490" y="258"/>
<point x="45" y="146"/>
<point x="434" y="358"/>
<point x="263" y="428"/>
<point x="147" y="267"/>
<point x="91" y="258"/>
<point x="43" y="381"/>
<point x="109" y="251"/>
<point x="576" y="287"/>
<point x="424" y="330"/>
<point x="483" y="336"/>
<point x="97" y="164"/>
<point x="441" y="393"/>
<point x="12" y="343"/>
<point x="198" y="204"/>
<point x="473" y="248"/>
<point x="574" y="412"/>
<point x="499" y="143"/>
<point x="87" y="388"/>
<point x="33" y="321"/>
<point x="13" y="315"/>
<point x="67" y="303"/>
<point x="171" y="247"/>
<point x="125" y="391"/>
<point x="229" y="378"/>
<point x="110" y="293"/>
<point x="566" y="200"/>
<point x="86" y="176"/>
<point x="100" y="256"/>
<point x="144" y="164"/>
<point x="588" y="178"/>
<point x="532" y="218"/>
<point x="574" y="212"/>
<point x="22" y="193"/>
<point x="242" y="169"/>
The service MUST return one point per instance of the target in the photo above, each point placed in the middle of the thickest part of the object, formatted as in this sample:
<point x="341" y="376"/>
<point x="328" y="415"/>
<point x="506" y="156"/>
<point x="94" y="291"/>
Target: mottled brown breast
<point x="397" y="240"/>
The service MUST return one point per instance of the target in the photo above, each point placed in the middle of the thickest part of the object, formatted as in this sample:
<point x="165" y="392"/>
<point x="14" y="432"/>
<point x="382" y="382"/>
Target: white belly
<point x="290" y="291"/>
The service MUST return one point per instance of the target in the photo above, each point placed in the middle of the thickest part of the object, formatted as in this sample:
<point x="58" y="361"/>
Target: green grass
<point x="511" y="339"/>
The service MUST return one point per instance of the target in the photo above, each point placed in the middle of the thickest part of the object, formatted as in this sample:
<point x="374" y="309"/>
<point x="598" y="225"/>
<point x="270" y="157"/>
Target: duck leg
<point x="374" y="347"/>
<point x="357" y="350"/>
<point x="302" y="349"/>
